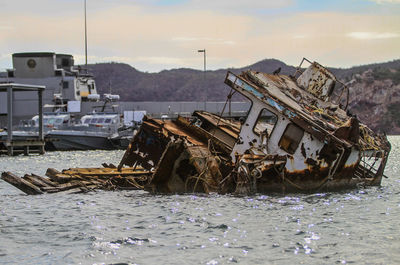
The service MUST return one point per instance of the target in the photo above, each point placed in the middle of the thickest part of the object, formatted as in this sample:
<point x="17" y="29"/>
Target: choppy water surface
<point x="359" y="226"/>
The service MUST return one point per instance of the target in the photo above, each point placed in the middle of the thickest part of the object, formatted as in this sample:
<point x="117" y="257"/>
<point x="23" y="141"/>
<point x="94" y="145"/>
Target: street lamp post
<point x="204" y="52"/>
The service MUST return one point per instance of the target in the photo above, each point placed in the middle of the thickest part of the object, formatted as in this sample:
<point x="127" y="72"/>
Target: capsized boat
<point x="298" y="136"/>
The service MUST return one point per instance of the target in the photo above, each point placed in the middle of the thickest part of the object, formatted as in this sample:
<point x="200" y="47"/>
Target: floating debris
<point x="76" y="180"/>
<point x="298" y="136"/>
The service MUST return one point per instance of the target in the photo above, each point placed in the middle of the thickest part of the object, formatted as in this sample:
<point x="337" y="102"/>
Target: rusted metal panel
<point x="318" y="81"/>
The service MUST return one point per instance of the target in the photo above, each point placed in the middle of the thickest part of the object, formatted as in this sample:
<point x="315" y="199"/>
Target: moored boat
<point x="95" y="131"/>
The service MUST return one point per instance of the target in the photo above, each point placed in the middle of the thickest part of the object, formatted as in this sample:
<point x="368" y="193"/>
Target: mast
<point x="85" y="41"/>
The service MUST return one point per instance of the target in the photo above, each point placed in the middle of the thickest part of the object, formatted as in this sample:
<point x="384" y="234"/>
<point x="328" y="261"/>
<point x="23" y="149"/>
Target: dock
<point x="11" y="144"/>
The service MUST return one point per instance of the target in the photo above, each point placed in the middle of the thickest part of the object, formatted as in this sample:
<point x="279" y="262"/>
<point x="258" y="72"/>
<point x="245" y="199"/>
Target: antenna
<point x="85" y="41"/>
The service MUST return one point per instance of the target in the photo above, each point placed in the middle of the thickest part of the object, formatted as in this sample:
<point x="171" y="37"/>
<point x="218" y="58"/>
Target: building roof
<point x="33" y="54"/>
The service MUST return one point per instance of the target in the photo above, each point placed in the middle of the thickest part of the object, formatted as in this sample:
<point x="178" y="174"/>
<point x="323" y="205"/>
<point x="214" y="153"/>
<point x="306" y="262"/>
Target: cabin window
<point x="94" y="120"/>
<point x="65" y="84"/>
<point x="266" y="122"/>
<point x="108" y="120"/>
<point x="87" y="121"/>
<point x="291" y="138"/>
<point x="100" y="120"/>
<point x="51" y="121"/>
<point x="65" y="62"/>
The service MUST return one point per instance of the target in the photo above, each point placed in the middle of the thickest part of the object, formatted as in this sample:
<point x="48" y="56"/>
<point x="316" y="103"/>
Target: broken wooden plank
<point x="72" y="185"/>
<point x="45" y="180"/>
<point x="108" y="165"/>
<point x="59" y="177"/>
<point x="21" y="184"/>
<point x="52" y="172"/>
<point x="35" y="181"/>
<point x="69" y="186"/>
<point x="103" y="170"/>
<point x="111" y="174"/>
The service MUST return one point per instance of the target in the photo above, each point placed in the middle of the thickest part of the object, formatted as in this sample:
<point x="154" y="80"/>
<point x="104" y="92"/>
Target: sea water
<point x="135" y="227"/>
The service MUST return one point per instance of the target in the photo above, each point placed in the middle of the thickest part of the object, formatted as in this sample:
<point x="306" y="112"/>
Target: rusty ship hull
<point x="297" y="137"/>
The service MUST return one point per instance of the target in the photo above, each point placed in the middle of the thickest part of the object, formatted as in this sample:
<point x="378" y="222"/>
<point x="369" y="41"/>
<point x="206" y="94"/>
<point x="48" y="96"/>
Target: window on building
<point x="266" y="122"/>
<point x="291" y="138"/>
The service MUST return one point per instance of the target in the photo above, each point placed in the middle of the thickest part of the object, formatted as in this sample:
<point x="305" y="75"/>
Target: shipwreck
<point x="297" y="136"/>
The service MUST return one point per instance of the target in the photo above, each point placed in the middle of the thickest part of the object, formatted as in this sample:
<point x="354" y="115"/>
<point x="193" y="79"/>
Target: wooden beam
<point x="36" y="182"/>
<point x="20" y="183"/>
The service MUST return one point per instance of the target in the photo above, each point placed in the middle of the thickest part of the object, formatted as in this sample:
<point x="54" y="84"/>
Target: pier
<point x="27" y="144"/>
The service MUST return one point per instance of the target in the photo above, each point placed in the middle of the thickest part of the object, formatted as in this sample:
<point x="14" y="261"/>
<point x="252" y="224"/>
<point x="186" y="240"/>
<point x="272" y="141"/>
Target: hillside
<point x="374" y="89"/>
<point x="171" y="85"/>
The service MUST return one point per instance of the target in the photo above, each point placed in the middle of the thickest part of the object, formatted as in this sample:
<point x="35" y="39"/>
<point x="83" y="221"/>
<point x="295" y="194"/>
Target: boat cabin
<point x="51" y="120"/>
<point x="101" y="120"/>
<point x="304" y="118"/>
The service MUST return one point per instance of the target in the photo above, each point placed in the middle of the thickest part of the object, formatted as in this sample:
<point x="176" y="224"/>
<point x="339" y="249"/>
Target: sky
<point x="153" y="35"/>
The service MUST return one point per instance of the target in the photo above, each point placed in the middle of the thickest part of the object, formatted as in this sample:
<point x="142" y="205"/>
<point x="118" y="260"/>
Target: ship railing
<point x="368" y="167"/>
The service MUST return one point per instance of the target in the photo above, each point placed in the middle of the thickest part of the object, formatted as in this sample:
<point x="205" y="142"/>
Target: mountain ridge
<point x="374" y="88"/>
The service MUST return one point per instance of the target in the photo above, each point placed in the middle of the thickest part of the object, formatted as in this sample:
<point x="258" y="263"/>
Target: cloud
<point x="240" y="4"/>
<point x="208" y="41"/>
<point x="373" y="35"/>
<point x="184" y="39"/>
<point x="79" y="58"/>
<point x="299" y="36"/>
<point x="386" y="1"/>
<point x="4" y="27"/>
